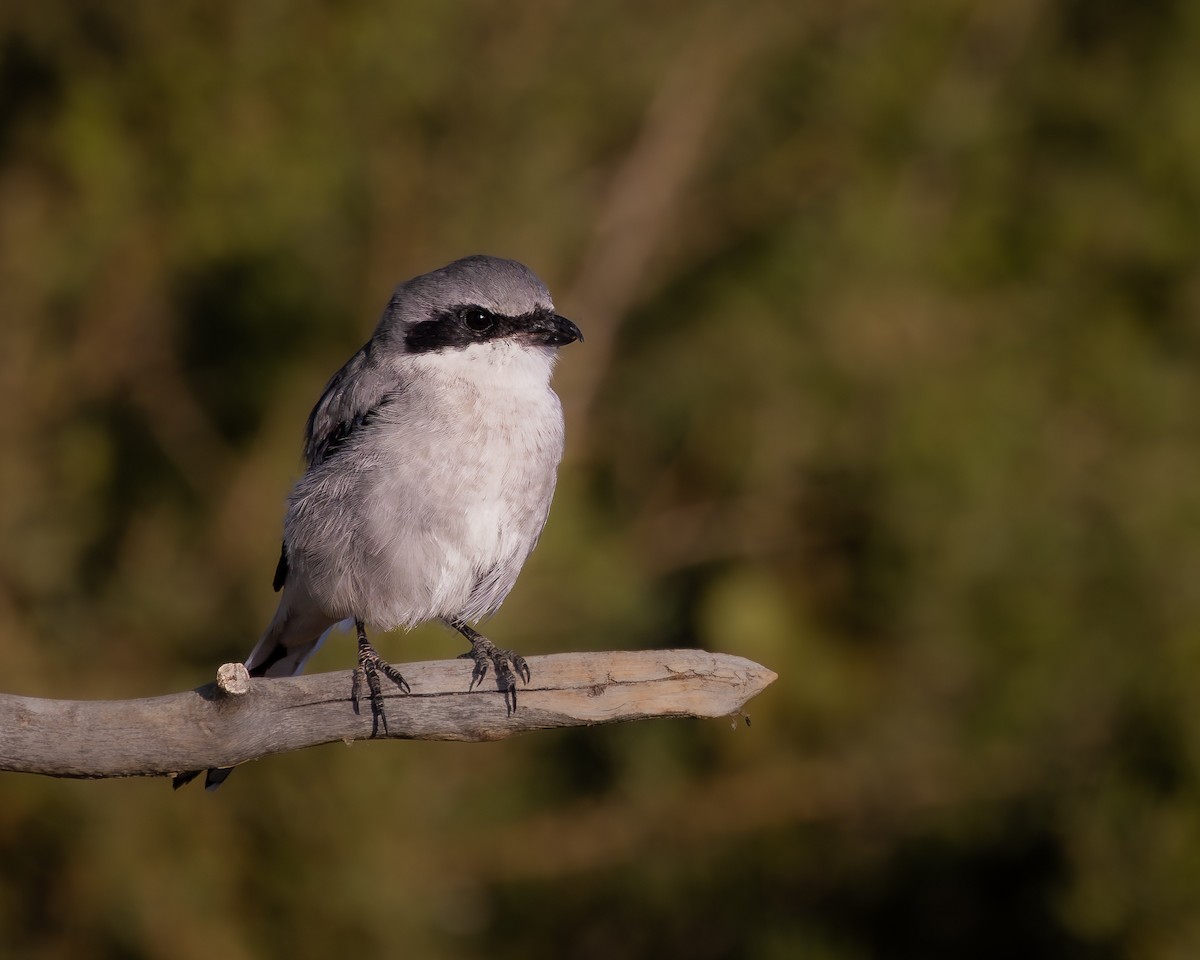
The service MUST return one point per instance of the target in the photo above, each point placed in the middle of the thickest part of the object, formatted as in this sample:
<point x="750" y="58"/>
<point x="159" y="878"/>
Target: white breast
<point x="449" y="491"/>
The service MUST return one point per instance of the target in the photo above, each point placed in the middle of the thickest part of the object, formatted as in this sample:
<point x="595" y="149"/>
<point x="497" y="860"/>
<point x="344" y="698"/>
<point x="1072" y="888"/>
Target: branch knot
<point x="233" y="679"/>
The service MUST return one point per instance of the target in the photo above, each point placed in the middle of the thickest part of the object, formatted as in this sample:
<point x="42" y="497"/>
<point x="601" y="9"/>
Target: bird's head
<point x="480" y="307"/>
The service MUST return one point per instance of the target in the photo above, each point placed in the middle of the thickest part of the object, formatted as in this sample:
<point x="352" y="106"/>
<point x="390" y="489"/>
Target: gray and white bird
<point x="431" y="461"/>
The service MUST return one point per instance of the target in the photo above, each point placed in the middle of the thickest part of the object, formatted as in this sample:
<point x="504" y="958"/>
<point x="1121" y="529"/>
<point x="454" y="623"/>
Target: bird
<point x="431" y="460"/>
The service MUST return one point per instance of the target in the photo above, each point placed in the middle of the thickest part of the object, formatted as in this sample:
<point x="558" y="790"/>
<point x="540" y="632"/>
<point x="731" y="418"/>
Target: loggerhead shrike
<point x="431" y="461"/>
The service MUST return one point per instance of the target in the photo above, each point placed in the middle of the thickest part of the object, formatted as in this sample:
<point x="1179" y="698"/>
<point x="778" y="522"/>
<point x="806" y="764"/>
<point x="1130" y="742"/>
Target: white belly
<point x="433" y="511"/>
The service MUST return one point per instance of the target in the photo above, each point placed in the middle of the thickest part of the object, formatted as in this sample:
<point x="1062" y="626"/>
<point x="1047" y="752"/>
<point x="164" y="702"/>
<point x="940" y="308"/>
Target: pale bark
<point x="227" y="723"/>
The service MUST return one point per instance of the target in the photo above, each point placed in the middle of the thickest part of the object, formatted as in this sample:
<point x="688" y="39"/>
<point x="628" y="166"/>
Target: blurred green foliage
<point x="892" y="383"/>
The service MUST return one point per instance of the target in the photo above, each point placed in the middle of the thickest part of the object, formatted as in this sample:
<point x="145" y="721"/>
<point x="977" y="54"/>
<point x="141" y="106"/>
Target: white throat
<point x="498" y="363"/>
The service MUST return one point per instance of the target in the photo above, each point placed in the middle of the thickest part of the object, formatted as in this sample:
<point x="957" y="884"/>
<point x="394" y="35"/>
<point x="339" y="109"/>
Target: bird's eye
<point x="479" y="320"/>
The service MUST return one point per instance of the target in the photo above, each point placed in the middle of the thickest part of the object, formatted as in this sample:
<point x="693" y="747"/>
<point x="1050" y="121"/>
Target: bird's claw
<point x="370" y="665"/>
<point x="479" y="672"/>
<point x="507" y="664"/>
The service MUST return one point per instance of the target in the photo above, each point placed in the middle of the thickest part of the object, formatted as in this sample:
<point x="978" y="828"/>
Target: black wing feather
<point x="281" y="570"/>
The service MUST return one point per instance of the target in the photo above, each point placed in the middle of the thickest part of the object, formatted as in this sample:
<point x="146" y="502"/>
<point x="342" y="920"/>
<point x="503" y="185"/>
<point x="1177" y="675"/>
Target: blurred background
<point x="890" y="383"/>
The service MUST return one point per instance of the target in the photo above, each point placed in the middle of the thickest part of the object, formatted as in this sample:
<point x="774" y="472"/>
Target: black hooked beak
<point x="554" y="330"/>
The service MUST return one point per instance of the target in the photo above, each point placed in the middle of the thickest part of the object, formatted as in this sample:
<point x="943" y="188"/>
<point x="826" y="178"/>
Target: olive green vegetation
<point x="892" y="383"/>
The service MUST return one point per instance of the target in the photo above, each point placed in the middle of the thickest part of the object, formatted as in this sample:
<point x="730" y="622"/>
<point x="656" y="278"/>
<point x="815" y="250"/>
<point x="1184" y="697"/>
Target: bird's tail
<point x="295" y="633"/>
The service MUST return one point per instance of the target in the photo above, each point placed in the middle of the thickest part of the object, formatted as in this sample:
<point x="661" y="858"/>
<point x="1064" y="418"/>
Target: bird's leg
<point x="508" y="665"/>
<point x="370" y="664"/>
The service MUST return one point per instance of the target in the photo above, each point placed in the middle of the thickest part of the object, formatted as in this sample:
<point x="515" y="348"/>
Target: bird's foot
<point x="508" y="666"/>
<point x="370" y="665"/>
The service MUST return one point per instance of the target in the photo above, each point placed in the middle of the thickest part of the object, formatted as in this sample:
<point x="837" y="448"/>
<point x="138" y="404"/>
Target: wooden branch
<point x="238" y="719"/>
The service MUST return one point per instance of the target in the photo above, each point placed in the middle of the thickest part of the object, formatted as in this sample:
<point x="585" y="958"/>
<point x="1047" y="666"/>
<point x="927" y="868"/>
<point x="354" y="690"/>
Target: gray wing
<point x="352" y="398"/>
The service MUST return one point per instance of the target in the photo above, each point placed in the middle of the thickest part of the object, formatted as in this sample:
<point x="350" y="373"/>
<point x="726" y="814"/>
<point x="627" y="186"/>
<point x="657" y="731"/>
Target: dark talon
<point x="395" y="676"/>
<point x="480" y="669"/>
<point x="505" y="663"/>
<point x="370" y="664"/>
